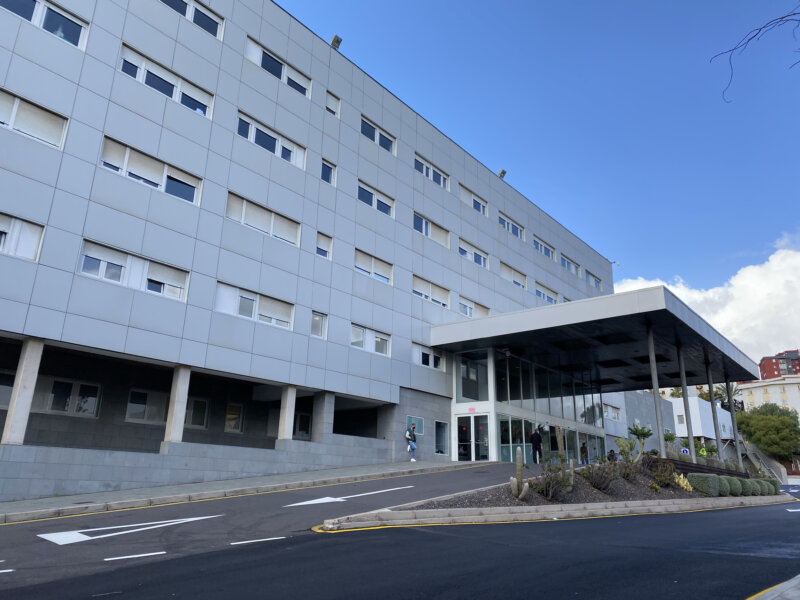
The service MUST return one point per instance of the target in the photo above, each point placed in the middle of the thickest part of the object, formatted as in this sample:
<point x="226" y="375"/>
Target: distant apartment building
<point x="782" y="364"/>
<point x="783" y="391"/>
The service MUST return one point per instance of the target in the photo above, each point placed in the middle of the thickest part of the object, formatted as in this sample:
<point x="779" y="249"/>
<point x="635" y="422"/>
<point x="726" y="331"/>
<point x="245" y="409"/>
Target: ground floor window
<point x="146" y="407"/>
<point x="419" y="422"/>
<point x="442" y="438"/>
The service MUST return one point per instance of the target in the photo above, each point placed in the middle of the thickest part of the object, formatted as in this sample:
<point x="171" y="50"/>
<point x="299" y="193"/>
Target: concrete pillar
<point x="713" y="407"/>
<point x="651" y="349"/>
<point x="494" y="439"/>
<point x="733" y="423"/>
<point x="684" y="389"/>
<point x="322" y="417"/>
<point x="178" y="396"/>
<point x="286" y="421"/>
<point x="19" y="408"/>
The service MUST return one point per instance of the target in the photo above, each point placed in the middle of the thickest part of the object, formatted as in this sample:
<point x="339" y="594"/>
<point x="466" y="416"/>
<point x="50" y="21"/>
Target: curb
<point x="782" y="591"/>
<point x="91" y="507"/>
<point x="548" y="512"/>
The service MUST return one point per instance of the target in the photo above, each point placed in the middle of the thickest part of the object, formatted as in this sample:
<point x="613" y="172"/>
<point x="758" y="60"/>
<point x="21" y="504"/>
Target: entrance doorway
<point x="473" y="438"/>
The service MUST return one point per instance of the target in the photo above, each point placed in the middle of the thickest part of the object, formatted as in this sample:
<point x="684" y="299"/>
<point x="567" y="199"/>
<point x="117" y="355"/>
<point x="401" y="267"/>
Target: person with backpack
<point x="412" y="440"/>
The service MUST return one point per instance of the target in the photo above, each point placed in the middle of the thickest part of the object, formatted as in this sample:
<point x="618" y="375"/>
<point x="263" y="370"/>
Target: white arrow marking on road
<point x="71" y="537"/>
<point x="344" y="498"/>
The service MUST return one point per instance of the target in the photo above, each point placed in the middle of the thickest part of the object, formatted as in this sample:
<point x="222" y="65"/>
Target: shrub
<point x="553" y="483"/>
<point x="681" y="481"/>
<point x="663" y="473"/>
<point x="669" y="437"/>
<point x="654" y="486"/>
<point x="755" y="489"/>
<point x="601" y="476"/>
<point x="724" y="487"/>
<point x="747" y="486"/>
<point x="776" y="485"/>
<point x="766" y="487"/>
<point x="701" y="460"/>
<point x="734" y="485"/>
<point x="705" y="484"/>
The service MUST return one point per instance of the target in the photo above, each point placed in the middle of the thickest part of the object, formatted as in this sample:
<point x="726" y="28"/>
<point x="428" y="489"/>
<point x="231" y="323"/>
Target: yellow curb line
<point x="762" y="592"/>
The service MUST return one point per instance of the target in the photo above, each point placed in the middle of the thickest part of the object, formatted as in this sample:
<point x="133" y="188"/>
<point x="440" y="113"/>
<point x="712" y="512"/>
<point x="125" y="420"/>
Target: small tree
<point x="676" y="392"/>
<point x="773" y="429"/>
<point x="641" y="434"/>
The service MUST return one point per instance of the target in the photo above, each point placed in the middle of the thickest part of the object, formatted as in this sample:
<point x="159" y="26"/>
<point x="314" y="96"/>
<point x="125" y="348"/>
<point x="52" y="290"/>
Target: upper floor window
<point x="431" y="230"/>
<point x="374" y="198"/>
<point x="198" y="14"/>
<point x="546" y="294"/>
<point x="471" y="309"/>
<point x="275" y="66"/>
<point x="373" y="267"/>
<point x="236" y="301"/>
<point x="513" y="228"/>
<point x="570" y="266"/>
<point x="50" y="18"/>
<point x="377" y="135"/>
<point x="272" y="141"/>
<point x="428" y="357"/>
<point x="319" y="324"/>
<point x="20" y="238"/>
<point x="510" y="274"/>
<point x="324" y="245"/>
<point x="150" y="171"/>
<point x="332" y="104"/>
<point x="132" y="271"/>
<point x="34" y="121"/>
<point x="328" y="173"/>
<point x="267" y="221"/>
<point x="545" y="249"/>
<point x="430" y="291"/>
<point x="593" y="281"/>
<point x="479" y="257"/>
<point x="476" y="202"/>
<point x="162" y="80"/>
<point x="433" y="173"/>
<point x="370" y="340"/>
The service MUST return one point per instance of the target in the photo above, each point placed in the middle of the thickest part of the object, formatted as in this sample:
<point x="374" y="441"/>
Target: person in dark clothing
<point x="411" y="437"/>
<point x="536" y="444"/>
<point x="584" y="454"/>
<point x="612" y="456"/>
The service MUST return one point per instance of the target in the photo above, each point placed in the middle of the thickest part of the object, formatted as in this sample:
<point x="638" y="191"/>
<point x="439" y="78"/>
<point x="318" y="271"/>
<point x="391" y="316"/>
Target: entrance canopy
<point x="604" y="339"/>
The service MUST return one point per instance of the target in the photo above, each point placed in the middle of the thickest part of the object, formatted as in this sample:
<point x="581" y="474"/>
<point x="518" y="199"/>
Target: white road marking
<point x="793" y="510"/>
<point x="79" y="535"/>
<point x="345" y="498"/>
<point x="7" y="571"/>
<point x="254" y="541"/>
<point x="134" y="556"/>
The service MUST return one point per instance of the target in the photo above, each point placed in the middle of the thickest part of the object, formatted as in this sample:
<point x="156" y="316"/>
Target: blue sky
<point x="608" y="115"/>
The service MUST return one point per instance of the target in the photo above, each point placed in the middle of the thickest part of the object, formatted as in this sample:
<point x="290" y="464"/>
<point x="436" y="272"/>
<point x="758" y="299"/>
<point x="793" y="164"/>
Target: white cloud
<point x="758" y="309"/>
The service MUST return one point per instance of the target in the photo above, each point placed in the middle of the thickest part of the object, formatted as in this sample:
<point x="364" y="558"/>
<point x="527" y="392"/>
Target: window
<point x="324" y="245"/>
<point x="470" y="199"/>
<point x="428" y="357"/>
<point x="569" y="266"/>
<point x="681" y="420"/>
<point x="545" y="249"/>
<point x="149" y="171"/>
<point x="273" y="142"/>
<point x="132" y="271"/>
<point x="50" y="18"/>
<point x="479" y="257"/>
<point x="370" y="340"/>
<point x="269" y="222"/>
<point x="197" y="14"/>
<point x="375" y="199"/>
<point x="196" y="414"/>
<point x="471" y="309"/>
<point x="373" y="267"/>
<point x="147" y="407"/>
<point x="418" y="421"/>
<point x="6" y="387"/>
<point x="510" y="274"/>
<point x="20" y="238"/>
<point x="160" y="79"/>
<point x="431" y="230"/>
<point x="332" y="104"/>
<point x="442" y="435"/>
<point x="319" y="324"/>
<point x="377" y="135"/>
<point x="69" y="397"/>
<point x="513" y="228"/>
<point x="430" y="291"/>
<point x="433" y="173"/>
<point x="234" y="418"/>
<point x="611" y="412"/>
<point x="328" y="174"/>
<point x="278" y="68"/>
<point x="22" y="116"/>
<point x="593" y="281"/>
<point x="545" y="294"/>
<point x="244" y="303"/>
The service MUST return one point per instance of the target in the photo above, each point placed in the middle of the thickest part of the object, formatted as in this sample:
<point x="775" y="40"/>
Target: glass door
<point x="473" y="438"/>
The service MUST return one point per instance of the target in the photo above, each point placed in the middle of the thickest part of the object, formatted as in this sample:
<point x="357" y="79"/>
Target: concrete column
<point x="651" y="349"/>
<point x="733" y="423"/>
<point x="286" y="421"/>
<point x="322" y="418"/>
<point x="494" y="440"/>
<point x="689" y="432"/>
<point x="713" y="407"/>
<point x="178" y="396"/>
<point x="19" y="408"/>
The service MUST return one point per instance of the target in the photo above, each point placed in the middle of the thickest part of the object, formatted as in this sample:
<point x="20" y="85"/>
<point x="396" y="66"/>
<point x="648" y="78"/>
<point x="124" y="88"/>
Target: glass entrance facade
<point x="473" y="438"/>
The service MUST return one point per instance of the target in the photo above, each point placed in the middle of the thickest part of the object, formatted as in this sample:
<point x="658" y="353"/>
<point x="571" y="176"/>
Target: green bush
<point x="724" y="487"/>
<point x="663" y="473"/>
<point x="705" y="484"/>
<point x="776" y="486"/>
<point x="734" y="485"/>
<point x="601" y="475"/>
<point x="766" y="487"/>
<point x="747" y="486"/>
<point x="755" y="489"/>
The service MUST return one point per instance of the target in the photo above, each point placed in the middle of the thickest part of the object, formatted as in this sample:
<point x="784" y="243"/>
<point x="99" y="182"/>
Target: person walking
<point x="411" y="436"/>
<point x="584" y="454"/>
<point x="536" y="446"/>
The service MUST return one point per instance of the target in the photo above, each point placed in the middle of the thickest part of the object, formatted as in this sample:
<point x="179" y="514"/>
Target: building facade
<point x="782" y="391"/>
<point x="782" y="364"/>
<point x="223" y="246"/>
